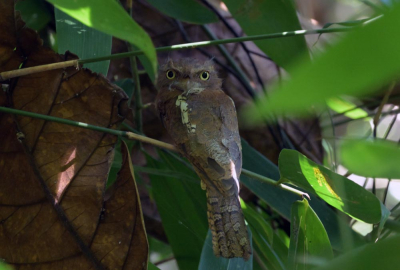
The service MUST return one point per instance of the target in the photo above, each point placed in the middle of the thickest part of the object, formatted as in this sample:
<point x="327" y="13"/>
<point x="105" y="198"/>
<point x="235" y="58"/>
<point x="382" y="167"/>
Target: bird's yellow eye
<point x="205" y="75"/>
<point x="170" y="74"/>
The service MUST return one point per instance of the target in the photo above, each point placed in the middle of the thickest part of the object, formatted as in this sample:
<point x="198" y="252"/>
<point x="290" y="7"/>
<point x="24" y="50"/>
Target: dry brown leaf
<point x="53" y="176"/>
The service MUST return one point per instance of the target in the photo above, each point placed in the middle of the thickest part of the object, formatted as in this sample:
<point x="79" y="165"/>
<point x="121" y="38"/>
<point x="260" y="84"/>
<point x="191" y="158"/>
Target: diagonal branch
<point x="133" y="136"/>
<point x="25" y="71"/>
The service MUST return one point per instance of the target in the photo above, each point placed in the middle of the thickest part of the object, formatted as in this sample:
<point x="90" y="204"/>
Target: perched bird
<point x="202" y="121"/>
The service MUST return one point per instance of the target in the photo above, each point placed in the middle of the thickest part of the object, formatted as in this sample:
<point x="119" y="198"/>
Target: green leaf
<point x="273" y="251"/>
<point x="284" y="237"/>
<point x="333" y="188"/>
<point x="341" y="105"/>
<point x="185" y="10"/>
<point x="152" y="267"/>
<point x="169" y="173"/>
<point x="34" y="13"/>
<point x="109" y="17"/>
<point x="309" y="242"/>
<point x="210" y="261"/>
<point x="83" y="41"/>
<point x="182" y="207"/>
<point x="381" y="255"/>
<point x="364" y="60"/>
<point x="281" y="200"/>
<point x="146" y="63"/>
<point x="377" y="158"/>
<point x="265" y="17"/>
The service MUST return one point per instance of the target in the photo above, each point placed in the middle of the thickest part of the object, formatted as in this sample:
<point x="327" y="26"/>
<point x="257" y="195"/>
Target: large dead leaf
<point x="53" y="176"/>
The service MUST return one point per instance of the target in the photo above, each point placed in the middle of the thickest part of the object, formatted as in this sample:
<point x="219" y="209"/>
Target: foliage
<point x="68" y="208"/>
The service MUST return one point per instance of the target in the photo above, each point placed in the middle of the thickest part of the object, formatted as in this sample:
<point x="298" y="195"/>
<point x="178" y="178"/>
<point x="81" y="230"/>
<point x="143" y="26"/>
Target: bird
<point x="202" y="122"/>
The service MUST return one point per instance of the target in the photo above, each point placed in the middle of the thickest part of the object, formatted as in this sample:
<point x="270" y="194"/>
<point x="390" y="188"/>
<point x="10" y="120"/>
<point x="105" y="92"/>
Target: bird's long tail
<point x="225" y="218"/>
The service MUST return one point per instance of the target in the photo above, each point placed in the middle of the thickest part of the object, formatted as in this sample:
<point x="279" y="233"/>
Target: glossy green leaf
<point x="371" y="158"/>
<point x="365" y="59"/>
<point x="210" y="261"/>
<point x="281" y="200"/>
<point x="182" y="207"/>
<point x="84" y="41"/>
<point x="34" y="13"/>
<point x="272" y="16"/>
<point x="381" y="255"/>
<point x="341" y="105"/>
<point x="109" y="17"/>
<point x="309" y="242"/>
<point x="272" y="251"/>
<point x="333" y="188"/>
<point x="189" y="11"/>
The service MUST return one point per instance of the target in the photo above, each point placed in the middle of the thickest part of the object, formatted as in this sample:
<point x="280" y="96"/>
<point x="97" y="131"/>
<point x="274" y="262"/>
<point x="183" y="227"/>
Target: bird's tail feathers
<point x="229" y="234"/>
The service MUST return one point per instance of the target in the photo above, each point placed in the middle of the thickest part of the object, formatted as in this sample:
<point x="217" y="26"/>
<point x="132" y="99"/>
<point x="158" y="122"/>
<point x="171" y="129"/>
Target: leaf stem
<point x="25" y="71"/>
<point x="269" y="181"/>
<point x="134" y="136"/>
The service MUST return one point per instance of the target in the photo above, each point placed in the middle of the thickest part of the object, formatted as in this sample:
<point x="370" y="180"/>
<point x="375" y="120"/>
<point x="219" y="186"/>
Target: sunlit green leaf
<point x="109" y="17"/>
<point x="366" y="58"/>
<point x="309" y="242"/>
<point x="84" y="41"/>
<point x="333" y="188"/>
<point x="371" y="158"/>
<point x="341" y="105"/>
<point x="185" y="10"/>
<point x="284" y="237"/>
<point x="265" y="17"/>
<point x="281" y="200"/>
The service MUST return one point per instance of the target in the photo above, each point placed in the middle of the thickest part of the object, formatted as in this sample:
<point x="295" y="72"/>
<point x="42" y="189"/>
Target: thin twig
<point x="380" y="108"/>
<point x="25" y="71"/>
<point x="216" y="60"/>
<point x="366" y="104"/>
<point x="390" y="127"/>
<point x="244" y="47"/>
<point x="386" y="191"/>
<point x="269" y="181"/>
<point x="230" y="60"/>
<point x="134" y="136"/>
<point x="165" y="260"/>
<point x="369" y="115"/>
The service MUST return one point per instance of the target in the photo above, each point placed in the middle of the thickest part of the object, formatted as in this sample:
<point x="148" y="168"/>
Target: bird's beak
<point x="192" y="87"/>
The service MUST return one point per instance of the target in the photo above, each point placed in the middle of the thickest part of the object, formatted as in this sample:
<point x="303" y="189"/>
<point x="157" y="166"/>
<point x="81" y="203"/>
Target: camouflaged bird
<point x="202" y="121"/>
